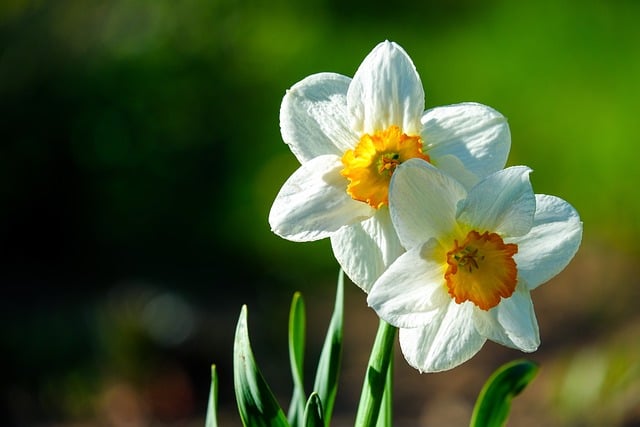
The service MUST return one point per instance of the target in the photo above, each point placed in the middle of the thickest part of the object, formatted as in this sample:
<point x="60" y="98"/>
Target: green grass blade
<point x="377" y="376"/>
<point x="297" y="327"/>
<point x="256" y="403"/>
<point x="212" y="416"/>
<point x="313" y="413"/>
<point x="494" y="401"/>
<point x="326" y="381"/>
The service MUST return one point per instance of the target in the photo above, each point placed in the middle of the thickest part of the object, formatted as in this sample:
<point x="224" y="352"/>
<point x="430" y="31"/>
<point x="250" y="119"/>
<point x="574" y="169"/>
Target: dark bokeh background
<point x="141" y="152"/>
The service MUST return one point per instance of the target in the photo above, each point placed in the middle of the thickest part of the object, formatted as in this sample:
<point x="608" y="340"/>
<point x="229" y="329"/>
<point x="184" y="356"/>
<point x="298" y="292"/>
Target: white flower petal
<point x="313" y="202"/>
<point x="386" y="90"/>
<point x="410" y="292"/>
<point x="511" y="323"/>
<point x="452" y="165"/>
<point x="449" y="340"/>
<point x="365" y="249"/>
<point x="314" y="119"/>
<point x="422" y="201"/>
<point x="552" y="242"/>
<point x="476" y="134"/>
<point x="503" y="202"/>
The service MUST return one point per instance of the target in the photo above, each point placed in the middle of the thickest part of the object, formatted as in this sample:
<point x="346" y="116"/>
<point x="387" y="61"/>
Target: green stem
<point x="377" y="376"/>
<point x="385" y="417"/>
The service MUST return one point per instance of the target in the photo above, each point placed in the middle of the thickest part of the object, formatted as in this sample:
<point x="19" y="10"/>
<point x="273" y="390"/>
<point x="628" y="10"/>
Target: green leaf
<point x="494" y="401"/>
<point x="212" y="417"/>
<point x="256" y="403"/>
<point x="326" y="381"/>
<point x="377" y="376"/>
<point x="297" y="326"/>
<point x="313" y="414"/>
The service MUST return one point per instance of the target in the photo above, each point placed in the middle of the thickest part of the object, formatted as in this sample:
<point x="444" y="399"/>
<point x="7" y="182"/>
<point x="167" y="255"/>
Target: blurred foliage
<point x="140" y="141"/>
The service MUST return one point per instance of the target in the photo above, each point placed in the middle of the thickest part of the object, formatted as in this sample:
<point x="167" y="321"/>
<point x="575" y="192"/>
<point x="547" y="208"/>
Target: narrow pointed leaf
<point x="297" y="326"/>
<point x="313" y="413"/>
<point x="212" y="417"/>
<point x="256" y="403"/>
<point x="494" y="401"/>
<point x="326" y="381"/>
<point x="375" y="382"/>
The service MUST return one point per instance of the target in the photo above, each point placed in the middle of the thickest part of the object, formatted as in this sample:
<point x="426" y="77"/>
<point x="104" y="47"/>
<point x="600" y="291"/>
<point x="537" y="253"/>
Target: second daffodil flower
<point x="472" y="258"/>
<point x="350" y="135"/>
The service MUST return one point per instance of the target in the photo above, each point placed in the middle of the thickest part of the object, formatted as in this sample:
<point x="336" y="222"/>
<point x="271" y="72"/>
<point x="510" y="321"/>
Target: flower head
<point x="350" y="135"/>
<point x="472" y="258"/>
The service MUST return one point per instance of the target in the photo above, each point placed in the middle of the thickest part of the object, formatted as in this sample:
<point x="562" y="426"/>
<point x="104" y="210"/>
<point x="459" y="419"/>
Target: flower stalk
<point x="378" y="379"/>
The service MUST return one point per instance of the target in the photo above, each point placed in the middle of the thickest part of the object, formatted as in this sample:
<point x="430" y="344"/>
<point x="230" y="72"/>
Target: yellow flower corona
<point x="369" y="166"/>
<point x="481" y="270"/>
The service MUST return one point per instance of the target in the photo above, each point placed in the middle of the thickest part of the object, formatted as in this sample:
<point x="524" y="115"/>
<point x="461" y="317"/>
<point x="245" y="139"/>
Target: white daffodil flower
<point x="349" y="136"/>
<point x="472" y="258"/>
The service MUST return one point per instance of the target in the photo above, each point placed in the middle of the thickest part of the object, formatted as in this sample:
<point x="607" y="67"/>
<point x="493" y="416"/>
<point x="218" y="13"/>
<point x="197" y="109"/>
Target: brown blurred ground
<point x="589" y="360"/>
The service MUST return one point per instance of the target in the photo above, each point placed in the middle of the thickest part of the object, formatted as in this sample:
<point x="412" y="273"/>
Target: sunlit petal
<point x="512" y="323"/>
<point x="476" y="134"/>
<point x="452" y="165"/>
<point x="411" y="290"/>
<point x="423" y="202"/>
<point x="503" y="202"/>
<point x="365" y="249"/>
<point x="314" y="119"/>
<point x="552" y="242"/>
<point x="386" y="90"/>
<point x="447" y="341"/>
<point x="313" y="202"/>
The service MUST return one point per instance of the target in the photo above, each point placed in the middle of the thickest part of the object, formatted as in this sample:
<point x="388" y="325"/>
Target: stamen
<point x="481" y="270"/>
<point x="369" y="166"/>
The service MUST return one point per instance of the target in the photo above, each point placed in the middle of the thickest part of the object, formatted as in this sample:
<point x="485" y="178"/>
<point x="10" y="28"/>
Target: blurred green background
<point x="141" y="152"/>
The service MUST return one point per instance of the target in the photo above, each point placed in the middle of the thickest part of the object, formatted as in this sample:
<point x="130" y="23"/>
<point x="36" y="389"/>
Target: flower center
<point x="481" y="270"/>
<point x="369" y="166"/>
